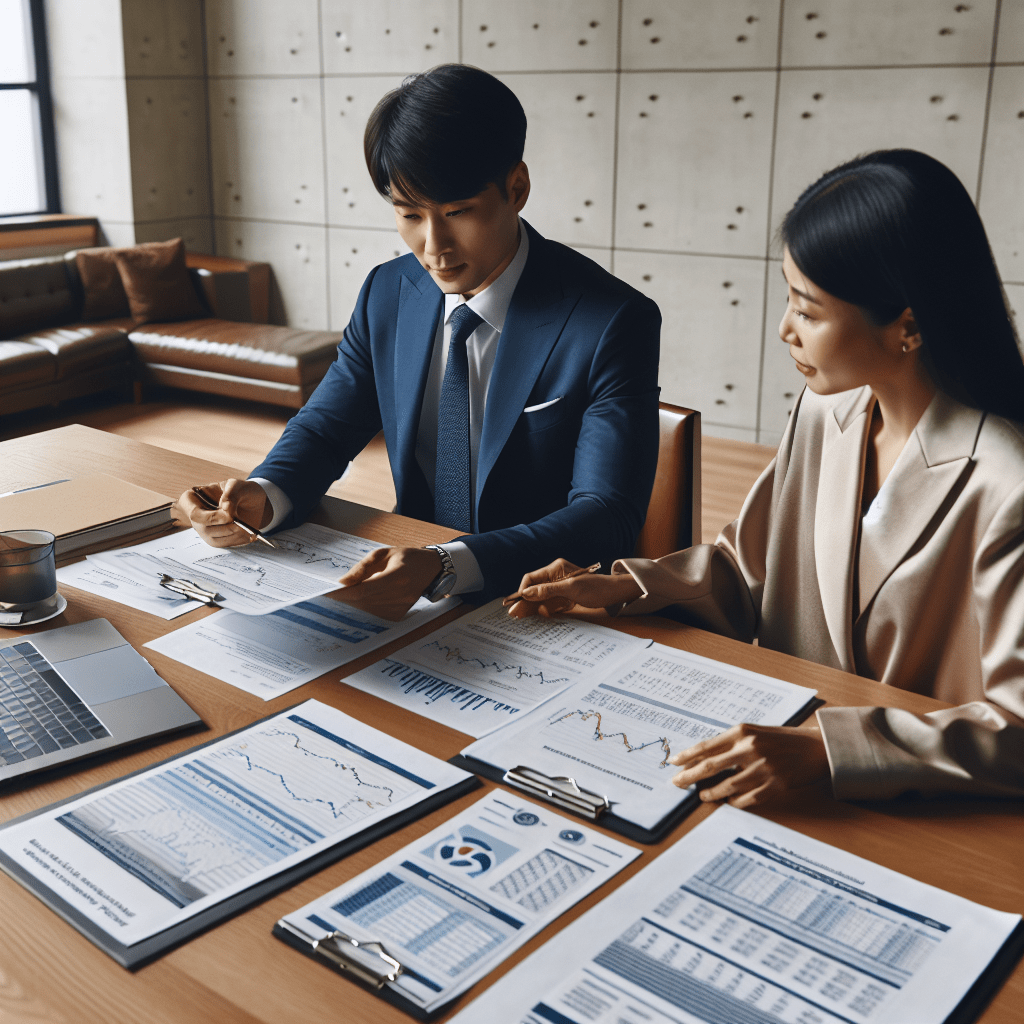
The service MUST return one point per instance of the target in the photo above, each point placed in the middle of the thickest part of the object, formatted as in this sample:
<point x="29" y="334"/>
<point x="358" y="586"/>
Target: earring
<point x="906" y="347"/>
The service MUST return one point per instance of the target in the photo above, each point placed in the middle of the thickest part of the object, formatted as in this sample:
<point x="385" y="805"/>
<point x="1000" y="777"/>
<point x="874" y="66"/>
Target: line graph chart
<point x="599" y="735"/>
<point x="210" y="821"/>
<point x="450" y="653"/>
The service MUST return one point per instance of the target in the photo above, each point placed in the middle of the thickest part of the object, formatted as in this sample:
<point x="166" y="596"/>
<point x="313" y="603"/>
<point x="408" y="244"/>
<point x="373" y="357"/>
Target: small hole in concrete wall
<point x="656" y="39"/>
<point x="810" y="16"/>
<point x="735" y="302"/>
<point x="934" y="99"/>
<point x="816" y="96"/>
<point x="741" y="39"/>
<point x="806" y="114"/>
<point x="590" y="114"/>
<point x="647" y="277"/>
<point x="739" y="209"/>
<point x="737" y="99"/>
<point x="641" y="206"/>
<point x="580" y="99"/>
<point x="231" y="53"/>
<point x="491" y="43"/>
<point x="293" y="51"/>
<point x="719" y="401"/>
<point x="648" y="21"/>
<point x="751" y="19"/>
<point x="788" y="394"/>
<point x="648" y="224"/>
<point x="436" y="30"/>
<point x="749" y="113"/>
<point x="945" y="32"/>
<point x="820" y="35"/>
<point x="583" y="42"/>
<point x="729" y="387"/>
<point x="960" y="8"/>
<point x="953" y="117"/>
<point x="588" y="202"/>
<point x="536" y="25"/>
<point x="643" y="113"/>
<point x="730" y="227"/>
<point x="653" y="97"/>
<point x="727" y="284"/>
<point x="578" y="219"/>
<point x="483" y="28"/>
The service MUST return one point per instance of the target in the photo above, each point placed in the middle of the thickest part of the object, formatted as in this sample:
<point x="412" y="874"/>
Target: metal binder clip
<point x="559" y="790"/>
<point x="191" y="590"/>
<point x="343" y="951"/>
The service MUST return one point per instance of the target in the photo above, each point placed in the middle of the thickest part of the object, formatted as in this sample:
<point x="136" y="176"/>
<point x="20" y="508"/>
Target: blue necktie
<point x="453" y="502"/>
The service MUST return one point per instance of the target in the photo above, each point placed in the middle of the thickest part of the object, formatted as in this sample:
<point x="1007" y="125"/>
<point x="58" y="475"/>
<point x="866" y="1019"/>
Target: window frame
<point x="40" y="87"/>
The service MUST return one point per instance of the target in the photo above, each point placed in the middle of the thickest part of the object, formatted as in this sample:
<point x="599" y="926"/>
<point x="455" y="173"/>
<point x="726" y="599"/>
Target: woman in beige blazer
<point x="887" y="536"/>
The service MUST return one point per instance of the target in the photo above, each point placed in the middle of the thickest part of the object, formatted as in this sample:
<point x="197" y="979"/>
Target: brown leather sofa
<point x="49" y="354"/>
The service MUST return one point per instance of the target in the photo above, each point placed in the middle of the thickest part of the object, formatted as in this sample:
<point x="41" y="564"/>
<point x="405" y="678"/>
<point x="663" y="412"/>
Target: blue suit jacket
<point x="570" y="480"/>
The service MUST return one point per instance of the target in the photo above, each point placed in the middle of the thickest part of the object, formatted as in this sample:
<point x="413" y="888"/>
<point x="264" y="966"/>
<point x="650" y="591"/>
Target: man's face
<point x="464" y="246"/>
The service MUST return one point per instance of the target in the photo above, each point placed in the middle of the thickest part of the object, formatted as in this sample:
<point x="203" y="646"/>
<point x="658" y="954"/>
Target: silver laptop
<point x="75" y="691"/>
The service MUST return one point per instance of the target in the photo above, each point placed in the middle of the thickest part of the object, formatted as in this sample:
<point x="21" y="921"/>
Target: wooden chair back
<point x="673" y="515"/>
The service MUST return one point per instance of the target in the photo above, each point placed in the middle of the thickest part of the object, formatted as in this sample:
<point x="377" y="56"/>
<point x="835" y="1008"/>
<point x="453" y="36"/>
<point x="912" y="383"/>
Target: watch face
<point x="442" y="588"/>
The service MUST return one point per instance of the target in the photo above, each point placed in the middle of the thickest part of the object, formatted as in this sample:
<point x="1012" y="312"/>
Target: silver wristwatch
<point x="444" y="582"/>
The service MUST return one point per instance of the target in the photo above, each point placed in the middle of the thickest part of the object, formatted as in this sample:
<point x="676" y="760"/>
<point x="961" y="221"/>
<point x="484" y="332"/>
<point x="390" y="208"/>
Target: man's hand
<point x="242" y="499"/>
<point x="546" y="591"/>
<point x="389" y="581"/>
<point x="766" y="761"/>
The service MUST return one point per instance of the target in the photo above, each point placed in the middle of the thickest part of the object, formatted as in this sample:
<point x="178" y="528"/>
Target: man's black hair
<point x="445" y="135"/>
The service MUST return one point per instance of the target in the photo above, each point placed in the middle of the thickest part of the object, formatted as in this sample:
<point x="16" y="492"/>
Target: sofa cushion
<point x="81" y="347"/>
<point x="24" y="365"/>
<point x="34" y="293"/>
<point x="258" y="351"/>
<point x="104" y="294"/>
<point x="157" y="282"/>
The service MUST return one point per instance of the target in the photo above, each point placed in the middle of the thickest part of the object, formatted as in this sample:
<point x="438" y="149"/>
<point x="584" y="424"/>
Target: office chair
<point x="673" y="515"/>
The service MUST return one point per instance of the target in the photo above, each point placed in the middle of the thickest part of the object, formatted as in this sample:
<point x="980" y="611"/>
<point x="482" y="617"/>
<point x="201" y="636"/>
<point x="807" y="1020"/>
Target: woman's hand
<point x="766" y="761"/>
<point x="547" y="592"/>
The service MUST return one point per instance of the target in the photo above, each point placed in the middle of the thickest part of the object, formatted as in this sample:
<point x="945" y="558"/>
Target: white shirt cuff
<point x="280" y="503"/>
<point x="468" y="576"/>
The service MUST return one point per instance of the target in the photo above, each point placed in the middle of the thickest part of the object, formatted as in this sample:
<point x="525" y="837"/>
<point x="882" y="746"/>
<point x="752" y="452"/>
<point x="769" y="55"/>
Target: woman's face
<point x="830" y="340"/>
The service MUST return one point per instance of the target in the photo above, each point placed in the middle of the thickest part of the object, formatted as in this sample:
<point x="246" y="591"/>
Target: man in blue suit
<point x="514" y="379"/>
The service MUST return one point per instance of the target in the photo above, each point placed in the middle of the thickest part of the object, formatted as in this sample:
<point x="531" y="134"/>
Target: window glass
<point x="21" y="186"/>
<point x="15" y="42"/>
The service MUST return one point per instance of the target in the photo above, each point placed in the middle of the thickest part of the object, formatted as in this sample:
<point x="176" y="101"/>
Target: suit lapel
<point x="937" y="455"/>
<point x="836" y="516"/>
<point x="419" y="306"/>
<point x="536" y="315"/>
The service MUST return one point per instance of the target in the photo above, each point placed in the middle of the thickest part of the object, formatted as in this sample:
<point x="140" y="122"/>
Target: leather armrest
<point x="258" y="275"/>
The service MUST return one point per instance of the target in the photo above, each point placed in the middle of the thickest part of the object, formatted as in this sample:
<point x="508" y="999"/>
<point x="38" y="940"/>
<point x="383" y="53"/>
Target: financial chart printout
<point x="271" y="654"/>
<point x="745" y="920"/>
<point x="252" y="579"/>
<point x="145" y="853"/>
<point x="456" y="902"/>
<point x="615" y="736"/>
<point x="483" y="670"/>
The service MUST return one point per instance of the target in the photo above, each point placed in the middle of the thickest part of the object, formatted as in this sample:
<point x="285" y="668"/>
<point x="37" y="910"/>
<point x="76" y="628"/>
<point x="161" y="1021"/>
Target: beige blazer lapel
<point x="837" y="516"/>
<point x="937" y="455"/>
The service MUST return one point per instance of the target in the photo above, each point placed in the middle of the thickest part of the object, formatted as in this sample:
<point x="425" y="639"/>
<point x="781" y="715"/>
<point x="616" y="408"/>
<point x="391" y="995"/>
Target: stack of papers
<point x="745" y="920"/>
<point x="458" y="901"/>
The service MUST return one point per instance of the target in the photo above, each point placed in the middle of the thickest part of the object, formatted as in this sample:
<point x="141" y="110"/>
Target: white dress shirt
<point x="481" y="347"/>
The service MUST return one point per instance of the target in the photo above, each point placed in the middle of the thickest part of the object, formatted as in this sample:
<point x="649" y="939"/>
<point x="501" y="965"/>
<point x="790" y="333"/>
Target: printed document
<point x="272" y="654"/>
<point x="150" y="851"/>
<point x="253" y="579"/>
<point x="458" y="901"/>
<point x="142" y="592"/>
<point x="485" y="669"/>
<point x="745" y="920"/>
<point x="615" y="736"/>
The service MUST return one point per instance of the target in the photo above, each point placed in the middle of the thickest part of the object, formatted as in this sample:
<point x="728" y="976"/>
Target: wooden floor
<point x="238" y="434"/>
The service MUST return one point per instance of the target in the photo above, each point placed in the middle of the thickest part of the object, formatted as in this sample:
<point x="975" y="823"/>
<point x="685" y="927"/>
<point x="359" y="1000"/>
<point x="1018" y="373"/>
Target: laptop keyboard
<point x="39" y="712"/>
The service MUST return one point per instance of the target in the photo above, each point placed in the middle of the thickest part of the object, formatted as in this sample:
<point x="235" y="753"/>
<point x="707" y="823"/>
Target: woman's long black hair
<point x="896" y="229"/>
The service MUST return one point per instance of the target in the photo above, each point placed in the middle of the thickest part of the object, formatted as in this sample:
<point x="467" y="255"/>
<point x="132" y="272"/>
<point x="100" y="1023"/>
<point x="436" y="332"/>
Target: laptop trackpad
<point x="109" y="675"/>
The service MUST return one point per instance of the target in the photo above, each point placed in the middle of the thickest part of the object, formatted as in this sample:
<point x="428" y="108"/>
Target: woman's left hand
<point x="766" y="761"/>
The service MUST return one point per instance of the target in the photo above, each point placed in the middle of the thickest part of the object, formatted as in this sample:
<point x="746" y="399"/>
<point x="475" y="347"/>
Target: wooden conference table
<point x="237" y="972"/>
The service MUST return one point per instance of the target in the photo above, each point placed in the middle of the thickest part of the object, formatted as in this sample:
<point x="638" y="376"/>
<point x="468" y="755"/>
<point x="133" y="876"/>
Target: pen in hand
<point x="207" y="502"/>
<point x="507" y="602"/>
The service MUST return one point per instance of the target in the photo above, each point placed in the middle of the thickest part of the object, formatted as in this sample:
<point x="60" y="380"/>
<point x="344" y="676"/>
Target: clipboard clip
<point x="561" y="790"/>
<point x="369" y="962"/>
<point x="191" y="590"/>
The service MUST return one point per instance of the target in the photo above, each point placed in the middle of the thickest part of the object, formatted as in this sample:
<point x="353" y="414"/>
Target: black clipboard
<point x="143" y="952"/>
<point x="377" y="985"/>
<point x="564" y="793"/>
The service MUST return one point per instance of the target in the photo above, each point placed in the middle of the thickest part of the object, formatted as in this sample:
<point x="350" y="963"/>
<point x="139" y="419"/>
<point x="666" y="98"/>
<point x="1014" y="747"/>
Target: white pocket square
<point x="543" y="405"/>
